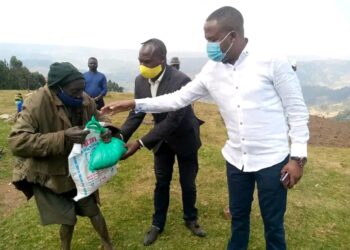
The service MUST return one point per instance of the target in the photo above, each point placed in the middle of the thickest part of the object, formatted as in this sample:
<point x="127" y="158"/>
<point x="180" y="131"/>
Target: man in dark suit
<point x="174" y="134"/>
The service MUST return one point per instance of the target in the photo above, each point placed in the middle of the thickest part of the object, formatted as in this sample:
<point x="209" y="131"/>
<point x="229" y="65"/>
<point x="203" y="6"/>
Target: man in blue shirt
<point x="95" y="83"/>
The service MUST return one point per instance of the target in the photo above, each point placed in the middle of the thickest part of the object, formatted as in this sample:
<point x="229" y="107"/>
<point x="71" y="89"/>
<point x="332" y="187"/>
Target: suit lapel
<point x="165" y="81"/>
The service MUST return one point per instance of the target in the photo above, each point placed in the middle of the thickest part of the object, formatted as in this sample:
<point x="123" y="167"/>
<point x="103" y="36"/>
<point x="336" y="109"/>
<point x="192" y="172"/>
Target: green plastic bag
<point x="105" y="154"/>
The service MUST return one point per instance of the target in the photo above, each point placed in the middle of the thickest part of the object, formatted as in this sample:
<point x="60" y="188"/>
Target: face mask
<point x="70" y="101"/>
<point x="214" y="51"/>
<point x="150" y="73"/>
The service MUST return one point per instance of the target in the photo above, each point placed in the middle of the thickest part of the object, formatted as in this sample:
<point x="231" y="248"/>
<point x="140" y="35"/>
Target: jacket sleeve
<point x="166" y="127"/>
<point x="131" y="124"/>
<point x="25" y="141"/>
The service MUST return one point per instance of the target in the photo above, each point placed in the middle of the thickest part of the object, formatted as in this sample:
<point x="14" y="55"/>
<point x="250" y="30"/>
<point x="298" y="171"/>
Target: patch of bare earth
<point x="10" y="198"/>
<point x="329" y="132"/>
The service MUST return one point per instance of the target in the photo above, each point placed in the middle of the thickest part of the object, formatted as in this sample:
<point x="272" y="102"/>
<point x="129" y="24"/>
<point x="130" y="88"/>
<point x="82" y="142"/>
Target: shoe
<point x="195" y="228"/>
<point x="151" y="235"/>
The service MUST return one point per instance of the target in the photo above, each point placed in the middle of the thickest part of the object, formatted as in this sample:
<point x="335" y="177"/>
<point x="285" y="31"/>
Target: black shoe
<point x="151" y="235"/>
<point x="195" y="228"/>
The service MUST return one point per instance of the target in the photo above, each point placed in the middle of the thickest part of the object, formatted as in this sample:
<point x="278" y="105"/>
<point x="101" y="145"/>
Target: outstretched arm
<point x="165" y="103"/>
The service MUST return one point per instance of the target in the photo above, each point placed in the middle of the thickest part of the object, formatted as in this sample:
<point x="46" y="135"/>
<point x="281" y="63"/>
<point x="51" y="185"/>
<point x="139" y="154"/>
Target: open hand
<point x="118" y="106"/>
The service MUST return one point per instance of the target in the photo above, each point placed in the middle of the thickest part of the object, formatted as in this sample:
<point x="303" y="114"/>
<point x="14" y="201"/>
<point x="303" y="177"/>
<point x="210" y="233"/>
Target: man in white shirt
<point x="261" y="102"/>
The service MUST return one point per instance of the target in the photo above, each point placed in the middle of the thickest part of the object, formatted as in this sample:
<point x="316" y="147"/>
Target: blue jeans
<point x="272" y="201"/>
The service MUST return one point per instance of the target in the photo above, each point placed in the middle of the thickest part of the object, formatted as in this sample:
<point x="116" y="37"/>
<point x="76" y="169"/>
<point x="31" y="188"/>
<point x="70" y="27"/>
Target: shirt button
<point x="241" y="123"/>
<point x="234" y="69"/>
<point x="243" y="139"/>
<point x="238" y="106"/>
<point x="245" y="153"/>
<point x="236" y="87"/>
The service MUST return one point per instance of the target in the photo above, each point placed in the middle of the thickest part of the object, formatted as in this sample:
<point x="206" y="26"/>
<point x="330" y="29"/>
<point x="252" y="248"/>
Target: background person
<point x="19" y="102"/>
<point x="95" y="83"/>
<point x="175" y="62"/>
<point x="260" y="100"/>
<point x="175" y="134"/>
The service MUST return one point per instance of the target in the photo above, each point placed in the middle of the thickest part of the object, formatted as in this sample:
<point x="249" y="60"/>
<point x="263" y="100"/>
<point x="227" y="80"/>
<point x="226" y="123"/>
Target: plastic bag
<point x="105" y="154"/>
<point x="87" y="181"/>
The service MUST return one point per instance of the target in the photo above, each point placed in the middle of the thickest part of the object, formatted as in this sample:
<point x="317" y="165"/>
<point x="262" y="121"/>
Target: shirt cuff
<point x="298" y="150"/>
<point x="138" y="106"/>
<point x="141" y="142"/>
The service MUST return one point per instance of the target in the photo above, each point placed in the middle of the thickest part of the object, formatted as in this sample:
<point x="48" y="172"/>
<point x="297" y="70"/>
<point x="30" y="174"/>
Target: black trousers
<point x="163" y="167"/>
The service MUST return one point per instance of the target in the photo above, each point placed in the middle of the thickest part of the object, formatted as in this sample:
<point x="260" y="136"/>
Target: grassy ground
<point x="318" y="214"/>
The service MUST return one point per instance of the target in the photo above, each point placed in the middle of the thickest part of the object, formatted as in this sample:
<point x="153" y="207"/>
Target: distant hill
<point x="325" y="83"/>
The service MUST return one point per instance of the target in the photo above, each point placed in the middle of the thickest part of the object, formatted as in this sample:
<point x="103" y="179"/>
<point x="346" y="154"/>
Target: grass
<point x="318" y="214"/>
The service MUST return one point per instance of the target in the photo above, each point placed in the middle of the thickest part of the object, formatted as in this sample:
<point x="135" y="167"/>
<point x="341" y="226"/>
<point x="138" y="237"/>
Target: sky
<point x="296" y="27"/>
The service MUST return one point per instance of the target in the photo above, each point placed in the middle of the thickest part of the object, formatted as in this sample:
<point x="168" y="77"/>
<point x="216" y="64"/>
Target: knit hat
<point x="62" y="74"/>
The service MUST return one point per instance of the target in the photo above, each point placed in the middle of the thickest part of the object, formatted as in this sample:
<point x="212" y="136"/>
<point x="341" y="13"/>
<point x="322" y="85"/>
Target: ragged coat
<point x="38" y="142"/>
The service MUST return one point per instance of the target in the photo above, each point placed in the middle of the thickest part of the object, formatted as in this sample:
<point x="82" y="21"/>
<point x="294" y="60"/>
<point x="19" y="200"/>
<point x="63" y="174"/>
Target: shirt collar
<point x="159" y="78"/>
<point x="244" y="54"/>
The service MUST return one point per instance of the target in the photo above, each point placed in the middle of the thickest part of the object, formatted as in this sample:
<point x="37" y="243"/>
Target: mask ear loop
<point x="226" y="36"/>
<point x="228" y="50"/>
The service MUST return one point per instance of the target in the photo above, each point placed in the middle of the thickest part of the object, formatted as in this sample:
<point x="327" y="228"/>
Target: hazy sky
<point x="297" y="27"/>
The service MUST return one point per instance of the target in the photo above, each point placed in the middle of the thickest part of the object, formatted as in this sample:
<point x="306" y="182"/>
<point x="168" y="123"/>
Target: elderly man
<point x="50" y="123"/>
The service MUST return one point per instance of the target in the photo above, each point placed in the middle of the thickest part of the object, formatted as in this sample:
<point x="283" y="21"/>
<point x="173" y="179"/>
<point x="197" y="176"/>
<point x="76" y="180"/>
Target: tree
<point x="113" y="86"/>
<point x="15" y="64"/>
<point x="16" y="76"/>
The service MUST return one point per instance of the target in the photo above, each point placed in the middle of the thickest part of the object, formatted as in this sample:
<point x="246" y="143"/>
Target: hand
<point x="132" y="148"/>
<point x="119" y="106"/>
<point x="75" y="134"/>
<point x="106" y="137"/>
<point x="97" y="98"/>
<point x="294" y="171"/>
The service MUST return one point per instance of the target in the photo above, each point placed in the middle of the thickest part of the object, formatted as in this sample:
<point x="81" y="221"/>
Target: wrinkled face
<point x="148" y="56"/>
<point x="213" y="33"/>
<point x="75" y="88"/>
<point x="92" y="64"/>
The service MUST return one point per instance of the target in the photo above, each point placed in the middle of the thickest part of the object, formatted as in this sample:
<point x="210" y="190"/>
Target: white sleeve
<point x="288" y="87"/>
<point x="191" y="92"/>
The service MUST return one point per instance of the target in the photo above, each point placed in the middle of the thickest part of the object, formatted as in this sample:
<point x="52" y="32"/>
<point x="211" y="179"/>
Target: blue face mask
<point x="69" y="101"/>
<point x="214" y="51"/>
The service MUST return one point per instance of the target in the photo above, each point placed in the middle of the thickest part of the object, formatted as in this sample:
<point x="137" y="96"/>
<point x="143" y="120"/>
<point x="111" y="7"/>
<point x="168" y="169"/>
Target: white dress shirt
<point x="261" y="102"/>
<point x="154" y="85"/>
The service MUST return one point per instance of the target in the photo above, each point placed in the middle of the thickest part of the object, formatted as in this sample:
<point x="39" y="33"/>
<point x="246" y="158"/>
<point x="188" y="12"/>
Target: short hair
<point x="228" y="18"/>
<point x="159" y="46"/>
<point x="93" y="58"/>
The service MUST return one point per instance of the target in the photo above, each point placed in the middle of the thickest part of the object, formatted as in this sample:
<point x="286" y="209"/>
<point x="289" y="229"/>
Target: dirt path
<point x="10" y="198"/>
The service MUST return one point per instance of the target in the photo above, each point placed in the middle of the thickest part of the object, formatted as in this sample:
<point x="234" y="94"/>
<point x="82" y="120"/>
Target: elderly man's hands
<point x="118" y="106"/>
<point x="75" y="135"/>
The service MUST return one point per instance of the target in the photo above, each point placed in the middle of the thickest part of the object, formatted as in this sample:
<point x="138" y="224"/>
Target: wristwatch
<point x="301" y="160"/>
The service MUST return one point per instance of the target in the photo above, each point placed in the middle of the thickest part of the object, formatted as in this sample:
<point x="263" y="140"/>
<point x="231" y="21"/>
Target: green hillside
<point x="318" y="214"/>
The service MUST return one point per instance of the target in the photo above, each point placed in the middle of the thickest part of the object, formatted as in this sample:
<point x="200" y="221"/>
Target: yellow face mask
<point x="150" y="73"/>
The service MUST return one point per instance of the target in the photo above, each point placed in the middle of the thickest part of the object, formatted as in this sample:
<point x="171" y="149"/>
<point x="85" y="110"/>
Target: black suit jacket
<point x="180" y="129"/>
